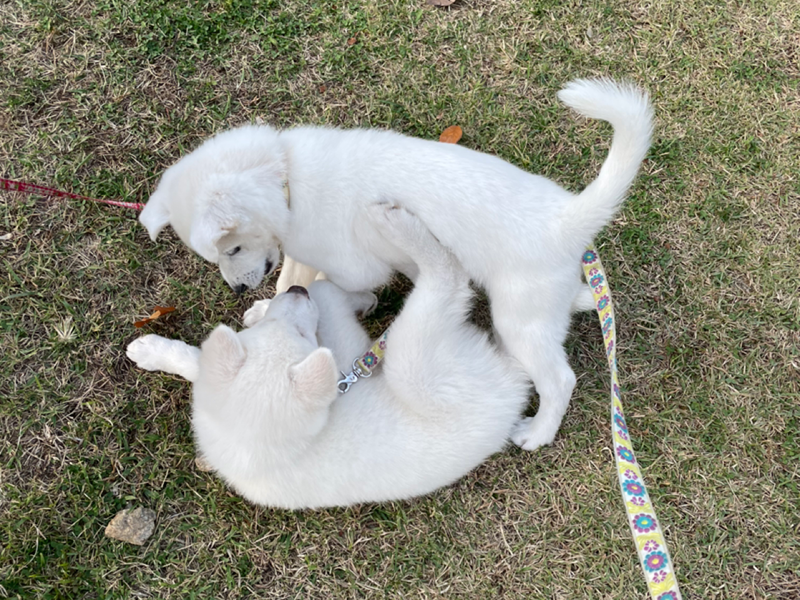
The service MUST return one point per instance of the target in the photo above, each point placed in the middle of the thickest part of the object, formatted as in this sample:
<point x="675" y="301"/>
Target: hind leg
<point x="583" y="300"/>
<point x="533" y="333"/>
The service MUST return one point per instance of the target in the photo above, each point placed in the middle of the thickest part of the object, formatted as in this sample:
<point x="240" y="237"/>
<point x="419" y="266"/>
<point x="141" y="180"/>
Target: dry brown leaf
<point x="440" y="2"/>
<point x="451" y="135"/>
<point x="351" y="41"/>
<point x="322" y="89"/>
<point x="158" y="311"/>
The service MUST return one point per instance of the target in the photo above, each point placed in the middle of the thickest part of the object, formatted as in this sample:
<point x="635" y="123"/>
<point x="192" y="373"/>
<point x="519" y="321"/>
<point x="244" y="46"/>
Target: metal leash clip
<point x="364" y="364"/>
<point x="349" y="379"/>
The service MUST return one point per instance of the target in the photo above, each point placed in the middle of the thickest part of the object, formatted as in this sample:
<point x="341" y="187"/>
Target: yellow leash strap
<point x="645" y="528"/>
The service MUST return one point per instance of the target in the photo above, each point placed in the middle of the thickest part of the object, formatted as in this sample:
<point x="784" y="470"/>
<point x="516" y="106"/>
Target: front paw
<point x="255" y="313"/>
<point x="397" y="224"/>
<point x="148" y="352"/>
<point x="405" y="231"/>
<point x="363" y="303"/>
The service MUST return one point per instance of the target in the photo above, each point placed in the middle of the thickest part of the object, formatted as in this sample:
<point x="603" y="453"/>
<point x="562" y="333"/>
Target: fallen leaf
<point x="351" y="41"/>
<point x="451" y="135"/>
<point x="132" y="526"/>
<point x="322" y="89"/>
<point x="158" y="311"/>
<point x="440" y="2"/>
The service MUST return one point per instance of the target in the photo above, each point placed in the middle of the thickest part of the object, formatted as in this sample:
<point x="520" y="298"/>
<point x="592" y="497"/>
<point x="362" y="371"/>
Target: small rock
<point x="202" y="464"/>
<point x="132" y="526"/>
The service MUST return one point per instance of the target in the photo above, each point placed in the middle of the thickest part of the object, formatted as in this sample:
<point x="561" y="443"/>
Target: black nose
<point x="240" y="289"/>
<point x="298" y="289"/>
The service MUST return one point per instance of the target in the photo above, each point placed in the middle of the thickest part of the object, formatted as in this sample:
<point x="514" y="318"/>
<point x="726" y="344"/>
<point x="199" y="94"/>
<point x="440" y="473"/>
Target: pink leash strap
<point x="10" y="185"/>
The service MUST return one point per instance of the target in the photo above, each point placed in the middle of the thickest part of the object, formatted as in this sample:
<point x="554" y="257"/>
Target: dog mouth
<point x="251" y="283"/>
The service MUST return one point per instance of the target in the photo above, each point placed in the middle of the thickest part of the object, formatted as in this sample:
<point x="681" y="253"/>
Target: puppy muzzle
<point x="298" y="289"/>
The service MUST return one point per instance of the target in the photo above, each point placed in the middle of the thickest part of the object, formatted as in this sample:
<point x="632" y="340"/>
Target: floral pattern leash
<point x="647" y="533"/>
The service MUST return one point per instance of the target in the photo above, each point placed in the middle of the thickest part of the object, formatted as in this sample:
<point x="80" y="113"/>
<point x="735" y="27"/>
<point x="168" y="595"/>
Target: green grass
<point x="100" y="97"/>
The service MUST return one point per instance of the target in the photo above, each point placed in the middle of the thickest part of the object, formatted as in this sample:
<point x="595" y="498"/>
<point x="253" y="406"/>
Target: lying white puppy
<point x="247" y="191"/>
<point x="268" y="417"/>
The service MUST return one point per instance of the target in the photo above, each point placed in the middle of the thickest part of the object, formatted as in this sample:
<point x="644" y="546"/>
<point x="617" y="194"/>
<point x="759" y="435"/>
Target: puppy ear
<point x="223" y="353"/>
<point x="155" y="215"/>
<point x="314" y="379"/>
<point x="209" y="228"/>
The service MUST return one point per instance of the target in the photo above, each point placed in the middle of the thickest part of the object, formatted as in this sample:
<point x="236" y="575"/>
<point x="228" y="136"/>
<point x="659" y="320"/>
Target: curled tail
<point x="628" y="110"/>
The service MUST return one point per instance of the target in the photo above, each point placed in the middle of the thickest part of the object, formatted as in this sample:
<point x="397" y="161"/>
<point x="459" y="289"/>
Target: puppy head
<point x="237" y="229"/>
<point x="264" y="393"/>
<point x="225" y="200"/>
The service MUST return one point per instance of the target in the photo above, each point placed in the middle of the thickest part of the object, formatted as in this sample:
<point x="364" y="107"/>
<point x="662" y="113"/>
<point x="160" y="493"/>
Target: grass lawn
<point x="99" y="97"/>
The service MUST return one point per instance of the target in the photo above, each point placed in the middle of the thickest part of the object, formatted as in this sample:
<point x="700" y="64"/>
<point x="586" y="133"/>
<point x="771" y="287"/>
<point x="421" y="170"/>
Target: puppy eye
<point x="234" y="251"/>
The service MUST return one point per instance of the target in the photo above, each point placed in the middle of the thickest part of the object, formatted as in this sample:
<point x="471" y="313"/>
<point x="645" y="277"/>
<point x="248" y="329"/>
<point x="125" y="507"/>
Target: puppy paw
<point x="408" y="233"/>
<point x="404" y="230"/>
<point x="363" y="303"/>
<point x="148" y="352"/>
<point x="530" y="435"/>
<point x="255" y="313"/>
<point x="398" y="225"/>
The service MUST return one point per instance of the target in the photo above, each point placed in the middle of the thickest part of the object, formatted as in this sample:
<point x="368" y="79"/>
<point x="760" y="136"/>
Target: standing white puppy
<point x="247" y="191"/>
<point x="268" y="417"/>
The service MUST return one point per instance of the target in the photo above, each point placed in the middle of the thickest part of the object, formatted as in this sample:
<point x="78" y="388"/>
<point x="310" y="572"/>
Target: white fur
<point x="267" y="415"/>
<point x="518" y="235"/>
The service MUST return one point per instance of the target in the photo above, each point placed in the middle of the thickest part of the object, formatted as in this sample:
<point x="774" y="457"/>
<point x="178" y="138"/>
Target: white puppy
<point x="243" y="193"/>
<point x="268" y="417"/>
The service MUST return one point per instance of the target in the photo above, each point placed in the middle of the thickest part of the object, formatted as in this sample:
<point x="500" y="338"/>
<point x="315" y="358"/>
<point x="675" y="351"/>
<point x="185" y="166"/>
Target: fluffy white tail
<point x="628" y="110"/>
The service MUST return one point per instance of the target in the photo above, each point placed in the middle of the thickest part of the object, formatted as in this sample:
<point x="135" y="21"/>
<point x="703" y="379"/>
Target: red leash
<point x="9" y="185"/>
